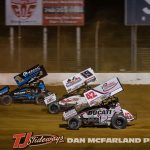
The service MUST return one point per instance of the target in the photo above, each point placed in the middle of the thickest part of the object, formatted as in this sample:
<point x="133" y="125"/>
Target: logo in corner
<point x="23" y="140"/>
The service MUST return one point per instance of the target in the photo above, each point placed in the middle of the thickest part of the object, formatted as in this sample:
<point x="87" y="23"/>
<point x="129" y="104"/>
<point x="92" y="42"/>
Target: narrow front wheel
<point x="74" y="123"/>
<point x="119" y="121"/>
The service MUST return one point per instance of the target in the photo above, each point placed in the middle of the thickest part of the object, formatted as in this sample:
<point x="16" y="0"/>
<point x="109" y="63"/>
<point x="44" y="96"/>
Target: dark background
<point x="114" y="43"/>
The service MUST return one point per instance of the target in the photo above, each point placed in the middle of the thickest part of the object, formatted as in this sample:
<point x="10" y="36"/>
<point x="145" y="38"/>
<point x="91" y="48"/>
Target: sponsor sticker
<point x="73" y="81"/>
<point x="69" y="114"/>
<point x="49" y="99"/>
<point x="108" y="86"/>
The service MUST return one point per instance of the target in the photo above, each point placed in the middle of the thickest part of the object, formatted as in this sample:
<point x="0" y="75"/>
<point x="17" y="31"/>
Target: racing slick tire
<point x="118" y="121"/>
<point x="39" y="99"/>
<point x="54" y="108"/>
<point x="74" y="123"/>
<point x="6" y="100"/>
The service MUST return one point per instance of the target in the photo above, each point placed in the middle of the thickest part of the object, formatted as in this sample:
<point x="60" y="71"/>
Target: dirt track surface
<point x="21" y="118"/>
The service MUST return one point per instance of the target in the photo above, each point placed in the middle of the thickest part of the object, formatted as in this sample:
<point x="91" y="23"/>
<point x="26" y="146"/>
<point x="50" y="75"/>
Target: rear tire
<point x="54" y="108"/>
<point x="6" y="100"/>
<point x="119" y="121"/>
<point x="74" y="123"/>
<point x="39" y="99"/>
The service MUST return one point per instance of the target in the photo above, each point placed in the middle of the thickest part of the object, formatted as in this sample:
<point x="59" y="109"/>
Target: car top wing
<point x="30" y="75"/>
<point x="4" y="90"/>
<point x="103" y="91"/>
<point x="75" y="82"/>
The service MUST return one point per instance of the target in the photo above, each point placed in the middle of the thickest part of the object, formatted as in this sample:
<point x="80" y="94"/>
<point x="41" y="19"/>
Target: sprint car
<point x="108" y="113"/>
<point x="101" y="108"/>
<point x="29" y="89"/>
<point x="75" y="86"/>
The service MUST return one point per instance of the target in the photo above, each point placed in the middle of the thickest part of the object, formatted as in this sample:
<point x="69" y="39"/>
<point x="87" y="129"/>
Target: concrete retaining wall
<point x="57" y="78"/>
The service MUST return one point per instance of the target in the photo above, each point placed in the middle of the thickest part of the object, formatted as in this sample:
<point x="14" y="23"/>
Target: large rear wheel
<point x="6" y="100"/>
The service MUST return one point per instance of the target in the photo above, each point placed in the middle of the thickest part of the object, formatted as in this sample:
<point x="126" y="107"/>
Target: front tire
<point x="119" y="121"/>
<point x="6" y="100"/>
<point x="54" y="108"/>
<point x="74" y="123"/>
<point x="39" y="99"/>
